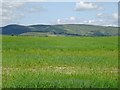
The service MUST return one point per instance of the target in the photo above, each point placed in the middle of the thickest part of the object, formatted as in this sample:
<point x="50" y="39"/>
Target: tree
<point x="12" y="34"/>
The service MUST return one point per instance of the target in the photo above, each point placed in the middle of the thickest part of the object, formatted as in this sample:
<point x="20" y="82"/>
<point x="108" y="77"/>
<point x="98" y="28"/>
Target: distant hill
<point x="60" y="30"/>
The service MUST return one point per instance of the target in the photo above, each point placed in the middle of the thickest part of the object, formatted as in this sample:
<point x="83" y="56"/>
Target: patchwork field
<point x="59" y="62"/>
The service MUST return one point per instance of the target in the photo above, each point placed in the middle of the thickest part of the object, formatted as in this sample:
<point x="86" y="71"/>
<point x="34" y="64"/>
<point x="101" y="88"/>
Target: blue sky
<point x="95" y="13"/>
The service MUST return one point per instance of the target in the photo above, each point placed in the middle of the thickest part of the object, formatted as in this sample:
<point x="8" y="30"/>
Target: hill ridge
<point x="58" y="30"/>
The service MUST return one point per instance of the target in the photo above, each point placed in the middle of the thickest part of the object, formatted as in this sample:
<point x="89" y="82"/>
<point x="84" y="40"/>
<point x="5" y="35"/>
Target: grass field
<point x="59" y="62"/>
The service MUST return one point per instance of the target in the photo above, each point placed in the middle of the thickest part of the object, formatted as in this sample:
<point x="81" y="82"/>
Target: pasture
<point x="59" y="62"/>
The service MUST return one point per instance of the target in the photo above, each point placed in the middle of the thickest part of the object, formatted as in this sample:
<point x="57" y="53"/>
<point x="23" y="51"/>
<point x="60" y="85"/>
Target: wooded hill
<point x="60" y="30"/>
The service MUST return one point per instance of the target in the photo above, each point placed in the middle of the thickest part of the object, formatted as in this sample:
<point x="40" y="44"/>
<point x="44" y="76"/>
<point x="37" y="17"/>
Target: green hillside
<point x="65" y="30"/>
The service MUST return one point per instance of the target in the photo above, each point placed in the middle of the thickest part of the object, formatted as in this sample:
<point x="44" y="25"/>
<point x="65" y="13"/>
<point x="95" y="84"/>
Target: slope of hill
<point x="65" y="30"/>
<point x="15" y="29"/>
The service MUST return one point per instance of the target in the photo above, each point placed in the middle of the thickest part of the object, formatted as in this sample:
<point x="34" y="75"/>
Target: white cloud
<point x="100" y="14"/>
<point x="58" y="21"/>
<point x="72" y="18"/>
<point x="25" y="0"/>
<point x="115" y="15"/>
<point x="108" y="16"/>
<point x="101" y="22"/>
<point x="68" y="20"/>
<point x="83" y="6"/>
<point x="9" y="13"/>
<point x="65" y="0"/>
<point x="35" y="9"/>
<point x="108" y="19"/>
<point x="95" y="21"/>
<point x="90" y="21"/>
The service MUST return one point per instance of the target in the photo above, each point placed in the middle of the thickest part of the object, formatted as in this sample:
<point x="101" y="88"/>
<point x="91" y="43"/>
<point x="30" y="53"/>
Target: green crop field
<point x="59" y="62"/>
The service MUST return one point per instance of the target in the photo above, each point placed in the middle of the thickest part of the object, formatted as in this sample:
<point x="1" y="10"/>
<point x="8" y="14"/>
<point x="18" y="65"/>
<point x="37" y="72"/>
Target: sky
<point x="50" y="13"/>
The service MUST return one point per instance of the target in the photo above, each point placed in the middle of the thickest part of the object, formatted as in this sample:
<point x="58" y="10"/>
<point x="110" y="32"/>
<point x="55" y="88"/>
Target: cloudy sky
<point x="27" y="13"/>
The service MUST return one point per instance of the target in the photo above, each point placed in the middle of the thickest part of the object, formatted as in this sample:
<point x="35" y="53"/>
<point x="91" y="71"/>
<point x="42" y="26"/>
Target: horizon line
<point x="62" y="24"/>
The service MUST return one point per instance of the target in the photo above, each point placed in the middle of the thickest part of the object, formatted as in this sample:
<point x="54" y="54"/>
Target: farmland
<point x="59" y="62"/>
